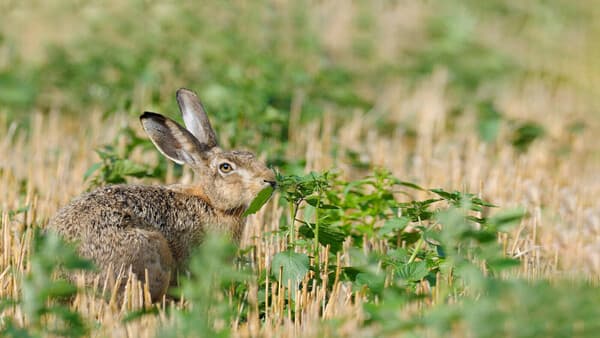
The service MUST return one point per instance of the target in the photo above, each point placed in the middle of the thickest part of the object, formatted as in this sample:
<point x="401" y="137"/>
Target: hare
<point x="152" y="229"/>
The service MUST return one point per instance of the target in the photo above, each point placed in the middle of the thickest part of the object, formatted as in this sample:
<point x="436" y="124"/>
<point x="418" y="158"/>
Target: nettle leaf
<point x="507" y="218"/>
<point x="479" y="201"/>
<point x="479" y="235"/>
<point x="127" y="167"/>
<point x="106" y="152"/>
<point x="413" y="272"/>
<point x="328" y="235"/>
<point x="260" y="200"/>
<point x="525" y="134"/>
<point x="375" y="282"/>
<point x="410" y="237"/>
<point x="394" y="224"/>
<point x="293" y="266"/>
<point x="91" y="170"/>
<point x="314" y="201"/>
<point x="59" y="289"/>
<point x="72" y="261"/>
<point x="452" y="196"/>
<point x="490" y="120"/>
<point x="349" y="273"/>
<point x="407" y="184"/>
<point x="137" y="314"/>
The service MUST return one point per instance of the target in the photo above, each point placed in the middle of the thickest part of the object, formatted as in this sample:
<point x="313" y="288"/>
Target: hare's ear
<point x="195" y="117"/>
<point x="171" y="139"/>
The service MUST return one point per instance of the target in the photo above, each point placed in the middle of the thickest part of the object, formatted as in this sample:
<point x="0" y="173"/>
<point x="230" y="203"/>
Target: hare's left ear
<point x="173" y="140"/>
<point x="195" y="118"/>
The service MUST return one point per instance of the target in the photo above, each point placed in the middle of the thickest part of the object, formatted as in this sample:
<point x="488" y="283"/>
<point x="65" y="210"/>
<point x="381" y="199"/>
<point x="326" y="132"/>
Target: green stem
<point x="293" y="209"/>
<point x="416" y="251"/>
<point x="317" y="231"/>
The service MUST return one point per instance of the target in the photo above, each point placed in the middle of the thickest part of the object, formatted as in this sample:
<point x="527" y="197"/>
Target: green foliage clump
<point x="520" y="308"/>
<point x="525" y="134"/>
<point x="211" y="273"/>
<point x="369" y="210"/>
<point x="115" y="166"/>
<point x="43" y="296"/>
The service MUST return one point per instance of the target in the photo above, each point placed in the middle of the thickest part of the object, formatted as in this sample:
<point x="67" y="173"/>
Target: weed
<point x="116" y="166"/>
<point x="43" y="296"/>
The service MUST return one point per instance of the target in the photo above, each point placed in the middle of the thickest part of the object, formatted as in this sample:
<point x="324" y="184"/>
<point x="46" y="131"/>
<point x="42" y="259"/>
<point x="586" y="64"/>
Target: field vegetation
<point x="437" y="164"/>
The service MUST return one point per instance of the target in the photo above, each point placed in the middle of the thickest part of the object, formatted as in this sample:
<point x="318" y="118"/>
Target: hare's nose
<point x="272" y="183"/>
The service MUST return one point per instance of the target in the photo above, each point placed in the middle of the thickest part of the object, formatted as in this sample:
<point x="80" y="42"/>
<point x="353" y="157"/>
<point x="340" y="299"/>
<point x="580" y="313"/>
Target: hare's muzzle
<point x="273" y="184"/>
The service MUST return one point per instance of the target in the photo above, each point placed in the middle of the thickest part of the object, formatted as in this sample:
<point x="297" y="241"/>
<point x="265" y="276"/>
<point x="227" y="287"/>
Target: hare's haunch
<point x="154" y="228"/>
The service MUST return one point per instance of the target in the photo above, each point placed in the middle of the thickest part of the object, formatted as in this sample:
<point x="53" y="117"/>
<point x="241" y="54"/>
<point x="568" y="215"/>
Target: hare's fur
<point x="152" y="229"/>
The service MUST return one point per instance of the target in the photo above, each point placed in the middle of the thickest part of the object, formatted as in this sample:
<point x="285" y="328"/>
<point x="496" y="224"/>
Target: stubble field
<point x="389" y="104"/>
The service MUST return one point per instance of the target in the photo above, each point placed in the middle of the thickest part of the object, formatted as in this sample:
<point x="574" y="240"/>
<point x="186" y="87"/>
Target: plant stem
<point x="317" y="231"/>
<point x="416" y="251"/>
<point x="293" y="209"/>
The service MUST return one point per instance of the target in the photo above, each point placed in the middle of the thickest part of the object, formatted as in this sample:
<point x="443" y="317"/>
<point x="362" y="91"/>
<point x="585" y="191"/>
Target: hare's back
<point x="116" y="206"/>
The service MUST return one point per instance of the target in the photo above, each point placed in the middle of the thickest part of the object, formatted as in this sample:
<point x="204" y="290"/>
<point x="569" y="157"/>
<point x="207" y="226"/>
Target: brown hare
<point x="154" y="228"/>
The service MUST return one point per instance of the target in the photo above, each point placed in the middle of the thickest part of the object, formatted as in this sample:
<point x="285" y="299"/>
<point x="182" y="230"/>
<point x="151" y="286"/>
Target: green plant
<point x="453" y="46"/>
<point x="210" y="311"/>
<point x="525" y="134"/>
<point x="419" y="244"/>
<point x="115" y="166"/>
<point x="489" y="121"/>
<point x="43" y="296"/>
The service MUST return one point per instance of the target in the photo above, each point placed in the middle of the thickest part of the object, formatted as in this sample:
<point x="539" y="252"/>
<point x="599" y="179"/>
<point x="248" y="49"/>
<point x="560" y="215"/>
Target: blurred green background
<point x="251" y="60"/>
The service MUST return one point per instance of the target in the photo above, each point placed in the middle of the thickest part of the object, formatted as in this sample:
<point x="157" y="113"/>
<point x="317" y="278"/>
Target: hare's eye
<point x="225" y="167"/>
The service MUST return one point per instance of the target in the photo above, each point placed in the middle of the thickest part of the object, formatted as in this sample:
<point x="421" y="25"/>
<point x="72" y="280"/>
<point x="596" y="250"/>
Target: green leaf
<point x="74" y="324"/>
<point x="479" y="201"/>
<point x="9" y="329"/>
<point x="75" y="262"/>
<point x="260" y="200"/>
<point x="394" y="224"/>
<point x="489" y="122"/>
<point x="6" y="303"/>
<point x="479" y="235"/>
<point x="60" y="289"/>
<point x="18" y="211"/>
<point x="407" y="184"/>
<point x="136" y="314"/>
<point x="328" y="235"/>
<point x="294" y="266"/>
<point x="507" y="218"/>
<point x="452" y="196"/>
<point x="525" y="134"/>
<point x="91" y="170"/>
<point x="105" y="152"/>
<point x="375" y="282"/>
<point x="350" y="273"/>
<point x="314" y="201"/>
<point x="413" y="272"/>
<point x="127" y="167"/>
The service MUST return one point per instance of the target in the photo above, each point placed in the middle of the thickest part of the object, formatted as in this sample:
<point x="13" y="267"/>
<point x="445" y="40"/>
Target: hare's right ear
<point x="195" y="117"/>
<point x="171" y="139"/>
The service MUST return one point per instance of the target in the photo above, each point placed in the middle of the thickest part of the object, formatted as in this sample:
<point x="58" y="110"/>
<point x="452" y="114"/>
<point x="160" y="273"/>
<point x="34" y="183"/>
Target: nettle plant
<point x="115" y="165"/>
<point x="395" y="242"/>
<point x="43" y="297"/>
